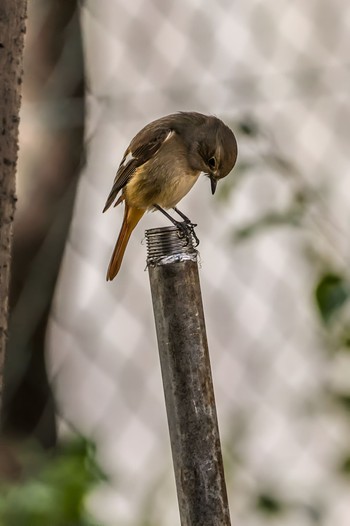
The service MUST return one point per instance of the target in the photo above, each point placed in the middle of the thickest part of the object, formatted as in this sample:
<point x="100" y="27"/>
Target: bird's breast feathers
<point x="163" y="179"/>
<point x="163" y="185"/>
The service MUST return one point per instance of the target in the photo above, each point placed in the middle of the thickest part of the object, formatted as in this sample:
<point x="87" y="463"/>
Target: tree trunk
<point x="54" y="86"/>
<point x="12" y="29"/>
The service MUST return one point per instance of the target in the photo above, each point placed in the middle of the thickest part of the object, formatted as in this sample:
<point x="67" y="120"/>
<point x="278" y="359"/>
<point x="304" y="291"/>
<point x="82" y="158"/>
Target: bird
<point x="160" y="166"/>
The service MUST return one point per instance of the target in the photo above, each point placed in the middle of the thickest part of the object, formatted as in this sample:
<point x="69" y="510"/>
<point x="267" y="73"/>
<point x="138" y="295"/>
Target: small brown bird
<point x="162" y="163"/>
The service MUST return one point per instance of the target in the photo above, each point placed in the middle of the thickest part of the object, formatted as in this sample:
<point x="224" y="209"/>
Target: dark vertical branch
<point x="54" y="85"/>
<point x="12" y="29"/>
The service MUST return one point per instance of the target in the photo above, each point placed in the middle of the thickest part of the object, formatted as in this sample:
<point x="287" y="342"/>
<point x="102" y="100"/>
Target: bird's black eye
<point x="212" y="163"/>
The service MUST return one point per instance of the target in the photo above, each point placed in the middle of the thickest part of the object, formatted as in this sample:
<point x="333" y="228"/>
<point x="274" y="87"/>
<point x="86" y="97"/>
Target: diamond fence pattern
<point x="277" y="73"/>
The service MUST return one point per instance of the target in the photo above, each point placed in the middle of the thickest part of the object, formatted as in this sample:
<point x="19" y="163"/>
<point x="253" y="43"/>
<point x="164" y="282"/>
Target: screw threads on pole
<point x="167" y="242"/>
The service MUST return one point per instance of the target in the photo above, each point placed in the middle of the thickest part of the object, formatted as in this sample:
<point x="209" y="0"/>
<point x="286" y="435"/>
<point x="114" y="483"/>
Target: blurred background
<point x="274" y="252"/>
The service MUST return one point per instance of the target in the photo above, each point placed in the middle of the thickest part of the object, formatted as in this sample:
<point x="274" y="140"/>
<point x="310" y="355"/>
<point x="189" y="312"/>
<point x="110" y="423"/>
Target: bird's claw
<point x="186" y="230"/>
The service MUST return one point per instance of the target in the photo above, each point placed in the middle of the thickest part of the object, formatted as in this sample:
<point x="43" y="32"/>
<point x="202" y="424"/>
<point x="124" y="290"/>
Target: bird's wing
<point x="141" y="149"/>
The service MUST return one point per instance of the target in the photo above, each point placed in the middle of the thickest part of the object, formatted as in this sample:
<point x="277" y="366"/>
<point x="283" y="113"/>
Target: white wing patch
<point x="170" y="134"/>
<point x="128" y="157"/>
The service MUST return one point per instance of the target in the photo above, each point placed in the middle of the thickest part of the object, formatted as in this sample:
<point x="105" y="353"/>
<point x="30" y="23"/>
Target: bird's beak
<point x="213" y="183"/>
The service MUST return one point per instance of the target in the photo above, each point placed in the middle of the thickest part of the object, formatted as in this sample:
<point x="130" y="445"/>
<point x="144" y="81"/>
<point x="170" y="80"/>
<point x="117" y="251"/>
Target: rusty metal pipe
<point x="187" y="380"/>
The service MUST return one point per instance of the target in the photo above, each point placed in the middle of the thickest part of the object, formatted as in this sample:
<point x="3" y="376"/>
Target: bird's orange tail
<point x="131" y="217"/>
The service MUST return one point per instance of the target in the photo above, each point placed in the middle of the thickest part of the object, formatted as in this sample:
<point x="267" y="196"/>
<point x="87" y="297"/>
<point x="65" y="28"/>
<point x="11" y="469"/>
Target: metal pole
<point x="187" y="381"/>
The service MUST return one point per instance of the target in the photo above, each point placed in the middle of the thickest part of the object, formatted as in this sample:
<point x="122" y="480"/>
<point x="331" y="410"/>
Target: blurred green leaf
<point x="248" y="126"/>
<point x="56" y="494"/>
<point x="331" y="292"/>
<point x="344" y="465"/>
<point x="269" y="504"/>
<point x="342" y="399"/>
<point x="346" y="340"/>
<point x="291" y="217"/>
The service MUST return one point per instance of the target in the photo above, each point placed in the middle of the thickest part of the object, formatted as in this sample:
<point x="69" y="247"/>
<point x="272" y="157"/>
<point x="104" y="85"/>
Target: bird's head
<point x="214" y="150"/>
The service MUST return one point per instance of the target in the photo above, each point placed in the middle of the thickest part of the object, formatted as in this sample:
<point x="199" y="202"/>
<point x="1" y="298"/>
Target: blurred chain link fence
<point x="278" y="74"/>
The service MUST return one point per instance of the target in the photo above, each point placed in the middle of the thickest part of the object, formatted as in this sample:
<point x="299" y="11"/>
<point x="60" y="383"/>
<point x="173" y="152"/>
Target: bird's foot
<point x="186" y="219"/>
<point x="187" y="230"/>
<point x="185" y="227"/>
